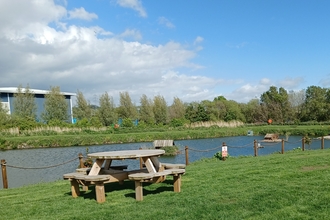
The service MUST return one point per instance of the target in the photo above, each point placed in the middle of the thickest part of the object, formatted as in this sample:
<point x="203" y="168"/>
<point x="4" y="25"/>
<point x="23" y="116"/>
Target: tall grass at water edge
<point x="290" y="186"/>
<point x="83" y="137"/>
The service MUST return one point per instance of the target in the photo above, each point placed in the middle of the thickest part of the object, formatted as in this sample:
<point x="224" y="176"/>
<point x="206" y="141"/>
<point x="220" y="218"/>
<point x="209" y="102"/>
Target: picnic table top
<point x="126" y="154"/>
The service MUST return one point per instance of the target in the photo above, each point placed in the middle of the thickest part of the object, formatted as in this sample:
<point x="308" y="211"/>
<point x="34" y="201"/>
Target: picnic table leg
<point x="100" y="192"/>
<point x="75" y="188"/>
<point x="177" y="183"/>
<point x="138" y="190"/>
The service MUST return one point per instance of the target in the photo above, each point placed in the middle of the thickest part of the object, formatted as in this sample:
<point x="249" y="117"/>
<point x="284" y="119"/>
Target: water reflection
<point x="198" y="149"/>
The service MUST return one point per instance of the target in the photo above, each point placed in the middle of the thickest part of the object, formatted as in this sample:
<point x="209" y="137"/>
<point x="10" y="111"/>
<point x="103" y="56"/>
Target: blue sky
<point x="193" y="50"/>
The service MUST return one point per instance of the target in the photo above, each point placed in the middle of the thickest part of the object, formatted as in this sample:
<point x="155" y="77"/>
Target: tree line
<point x="277" y="104"/>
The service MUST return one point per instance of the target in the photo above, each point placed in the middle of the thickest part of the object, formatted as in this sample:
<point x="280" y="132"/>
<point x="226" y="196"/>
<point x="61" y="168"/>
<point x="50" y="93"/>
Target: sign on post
<point x="224" y="151"/>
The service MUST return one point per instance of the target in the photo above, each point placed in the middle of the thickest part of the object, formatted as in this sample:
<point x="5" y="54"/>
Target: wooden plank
<point x="138" y="191"/>
<point x="75" y="192"/>
<point x="156" y="163"/>
<point x="100" y="192"/>
<point x="177" y="183"/>
<point x="149" y="165"/>
<point x="107" y="164"/>
<point x="96" y="167"/>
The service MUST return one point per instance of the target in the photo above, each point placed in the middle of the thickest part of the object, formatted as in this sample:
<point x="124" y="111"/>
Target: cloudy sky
<point x="193" y="50"/>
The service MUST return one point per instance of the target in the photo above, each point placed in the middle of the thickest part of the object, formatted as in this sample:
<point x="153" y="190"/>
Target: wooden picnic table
<point x="102" y="172"/>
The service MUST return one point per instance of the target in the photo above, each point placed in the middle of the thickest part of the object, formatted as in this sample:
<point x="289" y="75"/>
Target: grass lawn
<point x="290" y="186"/>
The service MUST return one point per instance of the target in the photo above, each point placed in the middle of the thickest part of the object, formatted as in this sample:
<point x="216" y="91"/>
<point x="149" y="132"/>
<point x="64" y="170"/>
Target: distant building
<point x="7" y="99"/>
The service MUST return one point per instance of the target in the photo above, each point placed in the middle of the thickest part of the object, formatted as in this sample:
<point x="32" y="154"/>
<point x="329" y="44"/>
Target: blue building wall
<point x="39" y="101"/>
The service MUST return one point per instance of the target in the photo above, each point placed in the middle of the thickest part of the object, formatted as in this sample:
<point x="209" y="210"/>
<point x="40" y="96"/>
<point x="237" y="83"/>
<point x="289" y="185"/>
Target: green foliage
<point x="82" y="109"/>
<point x="195" y="112"/>
<point x="170" y="150"/>
<point x="176" y="122"/>
<point x="83" y="123"/>
<point x="146" y="112"/>
<point x="24" y="104"/>
<point x="57" y="122"/>
<point x="177" y="109"/>
<point x="106" y="111"/>
<point x="126" y="108"/>
<point x="55" y="106"/>
<point x="160" y="110"/>
<point x="127" y="122"/>
<point x="219" y="156"/>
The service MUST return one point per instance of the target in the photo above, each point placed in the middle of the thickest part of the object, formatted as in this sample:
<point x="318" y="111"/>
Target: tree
<point x="55" y="106"/>
<point x="296" y="100"/>
<point x="195" y="112"/>
<point x="146" y="110"/>
<point x="160" y="110"/>
<point x="177" y="109"/>
<point x="4" y="116"/>
<point x="82" y="108"/>
<point x="24" y="103"/>
<point x="106" y="111"/>
<point x="233" y="111"/>
<point x="253" y="112"/>
<point x="215" y="109"/>
<point x="276" y="103"/>
<point x="126" y="108"/>
<point x="315" y="107"/>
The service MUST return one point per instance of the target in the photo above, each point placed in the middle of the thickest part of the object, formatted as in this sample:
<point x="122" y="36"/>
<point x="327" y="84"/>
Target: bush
<point x="218" y="155"/>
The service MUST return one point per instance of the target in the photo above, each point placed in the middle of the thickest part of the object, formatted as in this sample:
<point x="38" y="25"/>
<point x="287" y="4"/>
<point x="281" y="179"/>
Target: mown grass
<point x="290" y="186"/>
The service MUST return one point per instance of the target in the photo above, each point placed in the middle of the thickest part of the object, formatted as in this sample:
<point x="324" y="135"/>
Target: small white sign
<point x="224" y="151"/>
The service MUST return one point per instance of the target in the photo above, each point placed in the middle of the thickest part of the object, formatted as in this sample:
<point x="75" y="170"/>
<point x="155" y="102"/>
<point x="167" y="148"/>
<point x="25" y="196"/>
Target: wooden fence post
<point x="81" y="160"/>
<point x="255" y="148"/>
<point x="4" y="174"/>
<point x="303" y="144"/>
<point x="187" y="156"/>
<point x="282" y="146"/>
<point x="322" y="143"/>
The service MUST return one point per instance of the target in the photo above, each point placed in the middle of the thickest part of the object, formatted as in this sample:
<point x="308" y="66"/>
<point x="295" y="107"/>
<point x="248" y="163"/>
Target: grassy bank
<point x="290" y="186"/>
<point x="130" y="135"/>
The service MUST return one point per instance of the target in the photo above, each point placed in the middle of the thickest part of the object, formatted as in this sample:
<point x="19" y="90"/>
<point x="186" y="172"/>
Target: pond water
<point x="198" y="149"/>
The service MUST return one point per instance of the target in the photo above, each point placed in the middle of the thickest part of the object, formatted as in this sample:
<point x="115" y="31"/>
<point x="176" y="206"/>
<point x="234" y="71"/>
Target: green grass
<point x="290" y="186"/>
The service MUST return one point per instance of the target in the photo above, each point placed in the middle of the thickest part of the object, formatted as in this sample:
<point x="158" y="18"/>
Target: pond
<point x="49" y="160"/>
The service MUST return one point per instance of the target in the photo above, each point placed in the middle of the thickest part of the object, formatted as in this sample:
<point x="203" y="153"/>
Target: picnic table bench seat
<point x="139" y="178"/>
<point x="174" y="166"/>
<point x="86" y="170"/>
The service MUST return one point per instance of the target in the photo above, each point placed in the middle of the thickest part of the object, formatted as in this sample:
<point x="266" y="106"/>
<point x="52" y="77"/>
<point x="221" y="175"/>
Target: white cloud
<point x="135" y="34"/>
<point x="265" y="81"/>
<point x="166" y="22"/>
<point x="290" y="83"/>
<point x="81" y="13"/>
<point x="133" y="4"/>
<point x="75" y="57"/>
<point x="198" y="40"/>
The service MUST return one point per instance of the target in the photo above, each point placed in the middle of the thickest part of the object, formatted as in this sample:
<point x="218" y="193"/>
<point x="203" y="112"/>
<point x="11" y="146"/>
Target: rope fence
<point x="4" y="166"/>
<point x="256" y="145"/>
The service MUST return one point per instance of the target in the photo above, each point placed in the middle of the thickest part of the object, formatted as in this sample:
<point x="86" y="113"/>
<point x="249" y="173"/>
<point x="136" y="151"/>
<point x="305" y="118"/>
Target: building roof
<point x="35" y="91"/>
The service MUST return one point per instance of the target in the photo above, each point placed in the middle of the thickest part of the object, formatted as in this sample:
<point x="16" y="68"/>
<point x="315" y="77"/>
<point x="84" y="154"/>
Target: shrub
<point x="218" y="155"/>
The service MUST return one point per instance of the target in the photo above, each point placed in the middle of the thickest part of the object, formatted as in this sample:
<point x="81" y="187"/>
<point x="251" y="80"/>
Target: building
<point x="7" y="99"/>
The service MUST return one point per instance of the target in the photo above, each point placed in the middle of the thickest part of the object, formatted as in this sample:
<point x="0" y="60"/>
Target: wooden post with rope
<point x="81" y="160"/>
<point x="4" y="174"/>
<point x="187" y="158"/>
<point x="255" y="148"/>
<point x="322" y="142"/>
<point x="282" y="151"/>
<point x="303" y="144"/>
